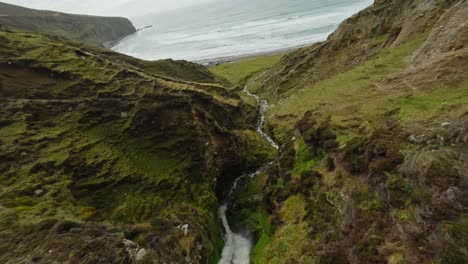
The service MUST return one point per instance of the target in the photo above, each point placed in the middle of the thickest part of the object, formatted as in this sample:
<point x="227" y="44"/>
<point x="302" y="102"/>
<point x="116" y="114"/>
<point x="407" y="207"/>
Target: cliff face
<point x="100" y="31"/>
<point x="373" y="166"/>
<point x="104" y="161"/>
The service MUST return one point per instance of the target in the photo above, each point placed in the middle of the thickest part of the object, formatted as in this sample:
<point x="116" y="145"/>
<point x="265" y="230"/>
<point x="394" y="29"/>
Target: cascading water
<point x="237" y="247"/>
<point x="263" y="107"/>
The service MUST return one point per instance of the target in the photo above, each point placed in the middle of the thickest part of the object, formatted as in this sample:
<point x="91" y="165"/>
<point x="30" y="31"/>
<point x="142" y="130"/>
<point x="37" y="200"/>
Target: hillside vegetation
<point x="102" y="158"/>
<point x="105" y="158"/>
<point x="373" y="166"/>
<point x="237" y="73"/>
<point x="101" y="31"/>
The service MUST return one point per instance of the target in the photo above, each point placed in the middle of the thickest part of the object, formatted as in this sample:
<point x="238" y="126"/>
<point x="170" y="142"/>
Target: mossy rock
<point x="317" y="133"/>
<point x="400" y="190"/>
<point x="439" y="168"/>
<point x="353" y="155"/>
<point x="310" y="178"/>
<point x="333" y="257"/>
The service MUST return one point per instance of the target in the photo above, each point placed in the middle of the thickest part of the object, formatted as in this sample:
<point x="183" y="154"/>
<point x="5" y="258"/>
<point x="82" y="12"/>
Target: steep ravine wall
<point x="103" y="161"/>
<point x="373" y="125"/>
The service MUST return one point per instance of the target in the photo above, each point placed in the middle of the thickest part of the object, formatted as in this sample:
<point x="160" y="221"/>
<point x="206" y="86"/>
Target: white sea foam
<point x="237" y="27"/>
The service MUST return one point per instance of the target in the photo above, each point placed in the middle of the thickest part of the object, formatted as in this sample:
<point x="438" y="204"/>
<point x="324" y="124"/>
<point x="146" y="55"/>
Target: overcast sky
<point x="128" y="8"/>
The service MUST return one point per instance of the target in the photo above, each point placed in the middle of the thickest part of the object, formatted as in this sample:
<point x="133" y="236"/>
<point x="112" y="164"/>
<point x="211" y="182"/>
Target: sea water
<point x="228" y="28"/>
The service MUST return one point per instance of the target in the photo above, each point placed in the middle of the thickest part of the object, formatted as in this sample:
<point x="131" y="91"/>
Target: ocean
<point x="227" y="28"/>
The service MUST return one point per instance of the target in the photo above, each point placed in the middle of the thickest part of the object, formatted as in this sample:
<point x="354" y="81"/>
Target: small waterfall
<point x="237" y="247"/>
<point x="263" y="104"/>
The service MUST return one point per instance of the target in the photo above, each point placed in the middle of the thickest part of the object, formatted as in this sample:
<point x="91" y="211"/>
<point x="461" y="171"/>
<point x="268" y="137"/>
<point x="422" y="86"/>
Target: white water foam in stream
<point x="236" y="246"/>
<point x="263" y="107"/>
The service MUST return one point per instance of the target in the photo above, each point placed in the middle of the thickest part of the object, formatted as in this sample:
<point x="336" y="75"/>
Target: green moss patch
<point x="238" y="72"/>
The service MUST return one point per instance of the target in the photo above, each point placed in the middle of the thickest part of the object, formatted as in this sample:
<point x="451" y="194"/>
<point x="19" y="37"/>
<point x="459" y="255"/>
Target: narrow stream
<point x="237" y="247"/>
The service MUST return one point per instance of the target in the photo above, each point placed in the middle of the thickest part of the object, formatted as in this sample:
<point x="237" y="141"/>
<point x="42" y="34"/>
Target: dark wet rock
<point x="317" y="135"/>
<point x="329" y="163"/>
<point x="63" y="226"/>
<point x="38" y="192"/>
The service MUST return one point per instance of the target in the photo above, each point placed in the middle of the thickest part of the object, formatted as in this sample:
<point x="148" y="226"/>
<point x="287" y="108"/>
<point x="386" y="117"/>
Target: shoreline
<point x="235" y="58"/>
<point x="223" y="59"/>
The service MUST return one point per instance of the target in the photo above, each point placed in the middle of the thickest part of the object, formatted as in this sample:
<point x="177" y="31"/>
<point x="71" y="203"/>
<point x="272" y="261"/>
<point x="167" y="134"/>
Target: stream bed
<point x="237" y="247"/>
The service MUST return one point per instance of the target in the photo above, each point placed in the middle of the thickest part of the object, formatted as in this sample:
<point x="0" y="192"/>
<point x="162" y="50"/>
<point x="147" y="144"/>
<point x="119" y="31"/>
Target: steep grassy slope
<point x="184" y="70"/>
<point x="100" y="158"/>
<point x="90" y="29"/>
<point x="374" y="129"/>
<point x="388" y="23"/>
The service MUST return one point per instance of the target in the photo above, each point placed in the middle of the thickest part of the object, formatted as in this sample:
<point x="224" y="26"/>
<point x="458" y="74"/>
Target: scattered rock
<point x="185" y="229"/>
<point x="329" y="163"/>
<point x="38" y="192"/>
<point x="417" y="139"/>
<point x="76" y="230"/>
<point x="62" y="227"/>
<point x="387" y="249"/>
<point x="129" y="243"/>
<point x="141" y="254"/>
<point x="123" y="115"/>
<point x="446" y="124"/>
<point x="131" y="248"/>
<point x="24" y="154"/>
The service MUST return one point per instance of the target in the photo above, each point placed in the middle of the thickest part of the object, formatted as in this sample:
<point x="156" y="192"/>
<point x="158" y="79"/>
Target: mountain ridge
<point x="102" y="31"/>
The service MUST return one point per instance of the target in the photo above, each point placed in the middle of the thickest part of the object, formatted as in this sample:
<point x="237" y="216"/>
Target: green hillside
<point x="105" y="158"/>
<point x="97" y="152"/>
<point x="373" y="125"/>
<point x="101" y="31"/>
